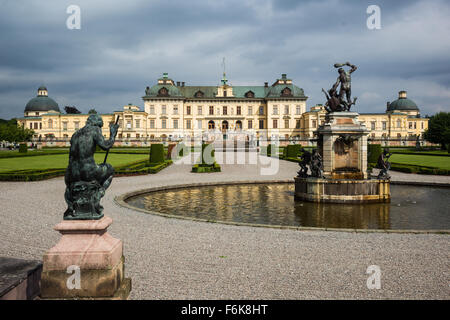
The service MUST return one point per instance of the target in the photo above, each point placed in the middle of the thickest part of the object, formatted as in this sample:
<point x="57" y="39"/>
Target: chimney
<point x="283" y="76"/>
<point x="182" y="84"/>
<point x="402" y="94"/>
<point x="266" y="84"/>
<point x="178" y="83"/>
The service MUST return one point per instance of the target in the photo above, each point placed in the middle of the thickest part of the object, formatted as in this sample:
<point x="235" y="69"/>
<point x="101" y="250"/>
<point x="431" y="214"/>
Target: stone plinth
<point x="343" y="146"/>
<point x="85" y="244"/>
<point x="342" y="190"/>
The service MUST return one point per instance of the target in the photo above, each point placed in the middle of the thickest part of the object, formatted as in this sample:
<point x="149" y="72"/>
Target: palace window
<point x="275" y="109"/>
<point x="152" y="124"/>
<point x="188" y="110"/>
<point x="250" y="124"/>
<point x="138" y="124"/>
<point x="77" y="125"/>
<point x="286" y="92"/>
<point x="152" y="109"/>
<point x="163" y="92"/>
<point x="175" y="109"/>
<point x="399" y="123"/>
<point x="199" y="124"/>
<point x="31" y="125"/>
<point x="261" y="110"/>
<point x="138" y="135"/>
<point x="249" y="94"/>
<point x="64" y="126"/>
<point x="314" y="123"/>
<point x="286" y="124"/>
<point x="286" y="109"/>
<point x="298" y="110"/>
<point x="238" y="110"/>
<point x="297" y="124"/>
<point x="175" y="123"/>
<point x="224" y="93"/>
<point x="225" y="110"/>
<point x="40" y="125"/>
<point x="188" y="124"/>
<point x="261" y="124"/>
<point x="199" y="94"/>
<point x="211" y="110"/>
<point x="421" y="124"/>
<point x="410" y="125"/>
<point x="384" y="125"/>
<point x="163" y="109"/>
<point x="250" y="110"/>
<point x="372" y="125"/>
<point x="199" y="110"/>
<point x="163" y="124"/>
<point x="50" y="124"/>
<point x="275" y="123"/>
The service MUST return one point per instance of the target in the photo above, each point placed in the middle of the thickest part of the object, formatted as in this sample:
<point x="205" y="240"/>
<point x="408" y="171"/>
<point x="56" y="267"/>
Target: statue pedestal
<point x="87" y="250"/>
<point x="343" y="146"/>
<point x="342" y="143"/>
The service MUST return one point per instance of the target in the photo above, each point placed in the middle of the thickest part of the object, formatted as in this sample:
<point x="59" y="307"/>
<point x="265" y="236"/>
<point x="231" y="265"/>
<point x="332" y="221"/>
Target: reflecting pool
<point x="412" y="207"/>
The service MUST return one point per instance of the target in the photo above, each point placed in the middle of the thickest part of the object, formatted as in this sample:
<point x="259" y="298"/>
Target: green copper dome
<point x="402" y="103"/>
<point x="42" y="103"/>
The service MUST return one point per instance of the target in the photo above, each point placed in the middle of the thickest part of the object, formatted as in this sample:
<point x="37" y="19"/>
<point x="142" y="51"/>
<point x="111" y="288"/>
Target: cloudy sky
<point x="124" y="46"/>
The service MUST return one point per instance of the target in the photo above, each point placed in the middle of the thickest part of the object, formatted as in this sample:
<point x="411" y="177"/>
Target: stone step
<point x="19" y="279"/>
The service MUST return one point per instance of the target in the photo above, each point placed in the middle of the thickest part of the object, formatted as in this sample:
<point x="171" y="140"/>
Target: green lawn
<point x="427" y="161"/>
<point x="61" y="161"/>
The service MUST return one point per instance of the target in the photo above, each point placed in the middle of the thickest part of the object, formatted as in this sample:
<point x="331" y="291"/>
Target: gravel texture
<point x="182" y="259"/>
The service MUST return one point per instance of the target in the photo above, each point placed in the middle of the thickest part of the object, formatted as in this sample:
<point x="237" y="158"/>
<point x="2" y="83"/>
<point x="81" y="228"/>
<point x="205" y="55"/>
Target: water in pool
<point x="411" y="207"/>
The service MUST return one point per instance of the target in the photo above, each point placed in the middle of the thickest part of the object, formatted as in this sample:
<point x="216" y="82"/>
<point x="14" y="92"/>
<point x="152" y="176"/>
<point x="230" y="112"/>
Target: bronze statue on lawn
<point x="86" y="181"/>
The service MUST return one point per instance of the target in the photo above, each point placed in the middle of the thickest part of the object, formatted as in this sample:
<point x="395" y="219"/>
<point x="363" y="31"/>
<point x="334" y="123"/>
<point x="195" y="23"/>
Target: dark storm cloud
<point x="124" y="46"/>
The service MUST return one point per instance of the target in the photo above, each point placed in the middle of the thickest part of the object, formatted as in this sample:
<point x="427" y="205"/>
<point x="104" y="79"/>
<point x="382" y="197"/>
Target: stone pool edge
<point x="121" y="201"/>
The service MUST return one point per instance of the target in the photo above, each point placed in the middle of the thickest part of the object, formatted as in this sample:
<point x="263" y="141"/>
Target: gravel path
<point x="182" y="259"/>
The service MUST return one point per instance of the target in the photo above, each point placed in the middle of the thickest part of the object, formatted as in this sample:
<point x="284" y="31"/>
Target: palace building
<point x="173" y="110"/>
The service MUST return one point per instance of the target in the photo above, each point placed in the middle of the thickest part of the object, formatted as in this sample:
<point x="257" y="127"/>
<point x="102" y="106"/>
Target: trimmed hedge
<point x="373" y="153"/>
<point x="156" y="153"/>
<point x="410" y="168"/>
<point x="203" y="168"/>
<point x="211" y="155"/>
<point x="13" y="154"/>
<point x="142" y="168"/>
<point x="23" y="148"/>
<point x="31" y="175"/>
<point x="292" y="150"/>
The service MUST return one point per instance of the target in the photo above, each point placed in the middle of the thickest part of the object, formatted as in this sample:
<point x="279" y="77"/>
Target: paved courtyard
<point x="182" y="259"/>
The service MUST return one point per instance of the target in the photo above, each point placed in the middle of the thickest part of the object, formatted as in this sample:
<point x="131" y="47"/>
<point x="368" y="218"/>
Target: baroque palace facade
<point x="174" y="110"/>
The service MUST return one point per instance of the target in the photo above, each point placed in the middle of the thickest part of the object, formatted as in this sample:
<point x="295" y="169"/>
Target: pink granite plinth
<point x="87" y="245"/>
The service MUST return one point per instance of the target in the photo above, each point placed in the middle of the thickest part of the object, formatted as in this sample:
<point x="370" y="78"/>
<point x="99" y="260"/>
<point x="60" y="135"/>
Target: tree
<point x="11" y="132"/>
<point x="92" y="111"/>
<point x="439" y="129"/>
<point x="71" y="110"/>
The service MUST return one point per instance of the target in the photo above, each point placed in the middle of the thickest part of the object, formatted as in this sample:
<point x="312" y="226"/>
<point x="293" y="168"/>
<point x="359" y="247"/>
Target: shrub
<point x="23" y="148"/>
<point x="373" y="153"/>
<point x="203" y="168"/>
<point x="292" y="150"/>
<point x="209" y="156"/>
<point x="157" y="153"/>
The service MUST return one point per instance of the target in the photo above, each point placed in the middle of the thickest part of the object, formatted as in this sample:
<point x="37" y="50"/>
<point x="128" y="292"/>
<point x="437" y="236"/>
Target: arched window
<point x="163" y="92"/>
<point x="50" y="124"/>
<point x="286" y="92"/>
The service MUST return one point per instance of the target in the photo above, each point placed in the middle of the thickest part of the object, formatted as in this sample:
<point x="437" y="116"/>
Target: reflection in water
<point x="411" y="207"/>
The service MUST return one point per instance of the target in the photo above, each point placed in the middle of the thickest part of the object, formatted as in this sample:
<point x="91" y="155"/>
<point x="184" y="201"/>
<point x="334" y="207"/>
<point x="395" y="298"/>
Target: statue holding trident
<point x="86" y="181"/>
<point x="335" y="101"/>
